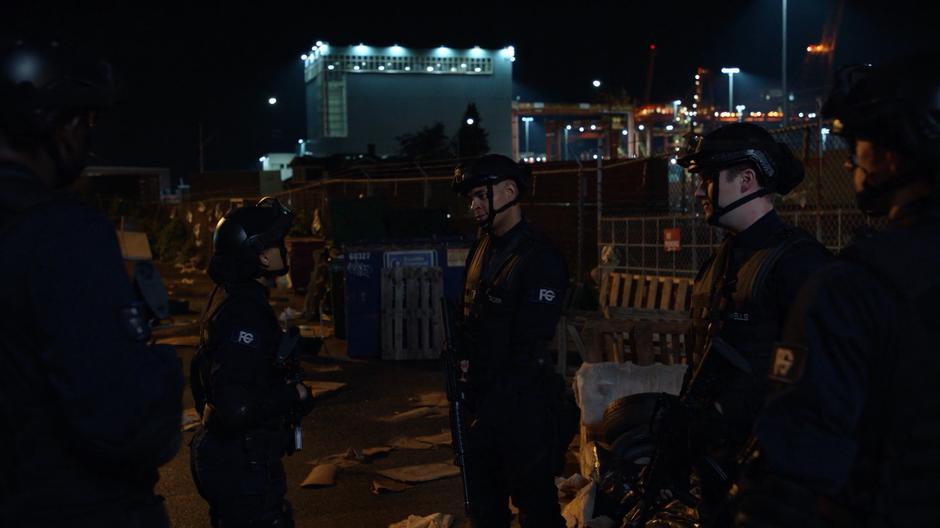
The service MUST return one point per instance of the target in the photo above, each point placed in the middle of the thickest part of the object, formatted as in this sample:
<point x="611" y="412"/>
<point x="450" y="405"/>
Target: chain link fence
<point x="823" y="204"/>
<point x="562" y="201"/>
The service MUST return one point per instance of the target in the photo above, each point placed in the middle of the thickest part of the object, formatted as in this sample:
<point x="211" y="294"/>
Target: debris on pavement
<point x="383" y="486"/>
<point x="440" y="439"/>
<point x="320" y="476"/>
<point x="322" y="369"/>
<point x="435" y="520"/>
<point x="407" y="442"/>
<point x="421" y="472"/>
<point x="190" y="420"/>
<point x="579" y="513"/>
<point x="570" y="486"/>
<point x="353" y="456"/>
<point x="321" y="388"/>
<point x="417" y="412"/>
<point x="430" y="399"/>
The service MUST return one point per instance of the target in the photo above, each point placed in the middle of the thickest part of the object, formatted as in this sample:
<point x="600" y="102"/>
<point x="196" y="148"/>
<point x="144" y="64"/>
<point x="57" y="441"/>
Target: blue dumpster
<point x="364" y="264"/>
<point x="363" y="301"/>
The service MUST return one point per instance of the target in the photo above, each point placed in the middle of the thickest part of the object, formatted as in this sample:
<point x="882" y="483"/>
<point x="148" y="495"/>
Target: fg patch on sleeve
<point x="545" y="296"/>
<point x="245" y="337"/>
<point x="789" y="363"/>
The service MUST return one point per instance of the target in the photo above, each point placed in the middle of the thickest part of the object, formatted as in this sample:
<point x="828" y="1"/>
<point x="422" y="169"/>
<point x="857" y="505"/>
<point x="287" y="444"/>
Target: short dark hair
<point x="738" y="168"/>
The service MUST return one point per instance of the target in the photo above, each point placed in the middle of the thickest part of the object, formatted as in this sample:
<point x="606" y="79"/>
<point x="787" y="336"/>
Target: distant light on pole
<point x="470" y="121"/>
<point x="272" y="100"/>
<point x="596" y="83"/>
<point x="641" y="128"/>
<point x="730" y="72"/>
<point x="527" y="120"/>
<point x="303" y="57"/>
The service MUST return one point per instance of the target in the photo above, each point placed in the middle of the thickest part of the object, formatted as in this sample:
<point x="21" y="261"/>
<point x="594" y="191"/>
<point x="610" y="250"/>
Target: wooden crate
<point x="410" y="318"/>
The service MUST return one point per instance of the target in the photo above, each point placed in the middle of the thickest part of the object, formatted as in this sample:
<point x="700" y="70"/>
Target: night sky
<point x="218" y="64"/>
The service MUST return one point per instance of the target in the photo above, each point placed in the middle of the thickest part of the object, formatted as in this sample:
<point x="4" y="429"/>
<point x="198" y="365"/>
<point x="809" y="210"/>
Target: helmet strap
<point x="717" y="211"/>
<point x="491" y="212"/>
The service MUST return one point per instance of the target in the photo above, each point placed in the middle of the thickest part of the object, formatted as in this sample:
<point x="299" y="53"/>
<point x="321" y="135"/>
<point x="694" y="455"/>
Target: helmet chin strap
<point x="717" y="211"/>
<point x="491" y="213"/>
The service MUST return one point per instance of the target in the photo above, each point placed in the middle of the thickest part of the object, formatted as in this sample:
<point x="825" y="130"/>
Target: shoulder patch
<point x="245" y="337"/>
<point x="545" y="296"/>
<point x="134" y="322"/>
<point x="789" y="363"/>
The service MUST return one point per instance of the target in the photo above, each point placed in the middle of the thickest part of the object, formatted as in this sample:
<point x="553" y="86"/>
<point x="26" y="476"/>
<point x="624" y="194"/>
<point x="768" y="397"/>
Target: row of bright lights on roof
<point x="509" y="51"/>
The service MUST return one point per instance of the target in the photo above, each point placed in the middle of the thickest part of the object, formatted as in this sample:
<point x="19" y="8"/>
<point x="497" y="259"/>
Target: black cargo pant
<point x="512" y="452"/>
<point x="242" y="478"/>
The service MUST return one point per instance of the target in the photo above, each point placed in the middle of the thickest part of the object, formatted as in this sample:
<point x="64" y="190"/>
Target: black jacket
<point x="243" y="387"/>
<point x="88" y="410"/>
<point x="855" y="418"/>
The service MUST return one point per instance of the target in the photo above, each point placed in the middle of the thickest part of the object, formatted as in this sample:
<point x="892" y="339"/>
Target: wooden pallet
<point x="410" y="317"/>
<point x="643" y="318"/>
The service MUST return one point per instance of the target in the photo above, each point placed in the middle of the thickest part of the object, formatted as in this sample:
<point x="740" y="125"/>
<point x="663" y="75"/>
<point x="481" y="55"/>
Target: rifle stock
<point x="457" y="399"/>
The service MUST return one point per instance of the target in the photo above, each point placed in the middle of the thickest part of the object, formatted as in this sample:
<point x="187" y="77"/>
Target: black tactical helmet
<point x="41" y="84"/>
<point x="778" y="170"/>
<point x="43" y="87"/>
<point x="489" y="170"/>
<point x="241" y="235"/>
<point x="896" y="105"/>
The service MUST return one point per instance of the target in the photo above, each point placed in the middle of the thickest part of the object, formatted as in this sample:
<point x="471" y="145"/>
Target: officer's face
<point x="733" y="185"/>
<point x="479" y="204"/>
<point x="870" y="162"/>
<point x="705" y="189"/>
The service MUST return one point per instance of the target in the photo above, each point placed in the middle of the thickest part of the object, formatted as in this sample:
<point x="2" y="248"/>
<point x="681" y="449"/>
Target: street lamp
<point x="564" y="153"/>
<point x="596" y="83"/>
<point x="527" y="120"/>
<point x="730" y="72"/>
<point x="272" y="101"/>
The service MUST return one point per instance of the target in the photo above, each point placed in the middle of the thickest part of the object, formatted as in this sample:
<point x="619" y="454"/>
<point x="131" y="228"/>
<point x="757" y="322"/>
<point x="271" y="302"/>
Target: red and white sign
<point x="671" y="239"/>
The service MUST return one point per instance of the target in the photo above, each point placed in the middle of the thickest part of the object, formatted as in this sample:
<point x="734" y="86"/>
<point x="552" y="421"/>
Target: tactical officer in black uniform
<point x="740" y="297"/>
<point x="851" y="437"/>
<point x="244" y="386"/>
<point x="513" y="295"/>
<point x="88" y="411"/>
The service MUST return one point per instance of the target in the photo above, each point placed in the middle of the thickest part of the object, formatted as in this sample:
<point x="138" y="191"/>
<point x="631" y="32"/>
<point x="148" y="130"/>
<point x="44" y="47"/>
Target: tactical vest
<point x="491" y="300"/>
<point x="896" y="478"/>
<point x="741" y="304"/>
